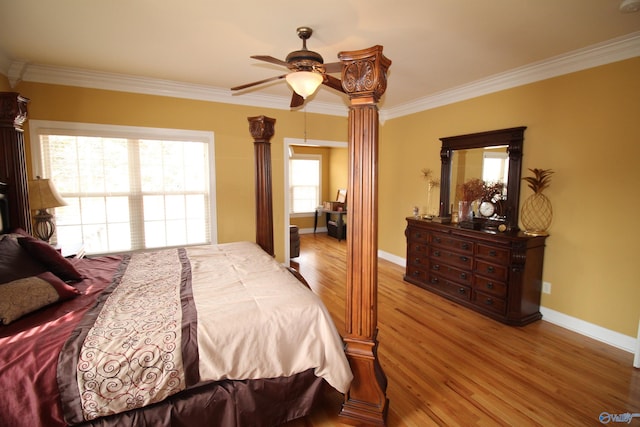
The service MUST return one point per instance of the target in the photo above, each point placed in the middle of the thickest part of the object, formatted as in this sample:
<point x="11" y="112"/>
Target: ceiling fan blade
<point x="333" y="67"/>
<point x="258" y="82"/>
<point x="296" y="100"/>
<point x="270" y="59"/>
<point x="333" y="83"/>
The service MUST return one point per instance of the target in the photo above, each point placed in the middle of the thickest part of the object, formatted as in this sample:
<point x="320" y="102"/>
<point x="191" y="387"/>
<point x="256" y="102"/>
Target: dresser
<point x="496" y="274"/>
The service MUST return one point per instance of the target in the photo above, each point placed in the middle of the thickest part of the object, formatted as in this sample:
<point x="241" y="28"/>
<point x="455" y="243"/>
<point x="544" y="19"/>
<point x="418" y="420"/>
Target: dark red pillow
<point x="50" y="257"/>
<point x="15" y="262"/>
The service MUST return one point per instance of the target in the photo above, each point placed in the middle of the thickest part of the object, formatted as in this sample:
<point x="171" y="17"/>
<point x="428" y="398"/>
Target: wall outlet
<point x="546" y="287"/>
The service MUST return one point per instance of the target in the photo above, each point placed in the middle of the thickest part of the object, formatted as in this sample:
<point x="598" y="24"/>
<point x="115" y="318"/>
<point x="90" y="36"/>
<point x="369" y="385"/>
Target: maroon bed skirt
<point x="256" y="403"/>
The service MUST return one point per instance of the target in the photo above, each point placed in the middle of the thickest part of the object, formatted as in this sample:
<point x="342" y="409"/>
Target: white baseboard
<point x="616" y="339"/>
<point x="590" y="330"/>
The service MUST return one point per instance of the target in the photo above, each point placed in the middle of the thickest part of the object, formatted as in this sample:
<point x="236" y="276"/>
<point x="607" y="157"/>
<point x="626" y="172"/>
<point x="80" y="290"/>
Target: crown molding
<point x="614" y="50"/>
<point x="127" y="83"/>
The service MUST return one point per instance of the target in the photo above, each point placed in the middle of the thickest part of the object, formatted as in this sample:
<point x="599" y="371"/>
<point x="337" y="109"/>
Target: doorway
<point x="288" y="144"/>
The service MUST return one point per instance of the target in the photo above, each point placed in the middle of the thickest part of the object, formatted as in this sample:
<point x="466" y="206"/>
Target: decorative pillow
<point x="15" y="262"/>
<point x="27" y="295"/>
<point x="50" y="257"/>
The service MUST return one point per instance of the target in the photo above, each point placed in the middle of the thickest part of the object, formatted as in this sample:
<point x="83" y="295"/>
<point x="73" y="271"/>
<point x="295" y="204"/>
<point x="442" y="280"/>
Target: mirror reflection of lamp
<point x="42" y="196"/>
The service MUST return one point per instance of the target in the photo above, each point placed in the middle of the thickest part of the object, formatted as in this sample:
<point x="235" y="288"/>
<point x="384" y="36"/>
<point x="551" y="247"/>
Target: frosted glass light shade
<point x="304" y="83"/>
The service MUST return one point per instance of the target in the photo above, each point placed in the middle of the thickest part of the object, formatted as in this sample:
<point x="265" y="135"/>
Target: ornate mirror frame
<point x="513" y="138"/>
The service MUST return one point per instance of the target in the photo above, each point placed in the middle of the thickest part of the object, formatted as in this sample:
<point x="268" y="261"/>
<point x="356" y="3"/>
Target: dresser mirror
<point x="464" y="157"/>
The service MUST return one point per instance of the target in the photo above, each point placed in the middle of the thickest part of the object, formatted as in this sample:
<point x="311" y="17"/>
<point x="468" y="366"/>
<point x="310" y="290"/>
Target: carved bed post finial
<point x="364" y="80"/>
<point x="262" y="129"/>
<point x="13" y="164"/>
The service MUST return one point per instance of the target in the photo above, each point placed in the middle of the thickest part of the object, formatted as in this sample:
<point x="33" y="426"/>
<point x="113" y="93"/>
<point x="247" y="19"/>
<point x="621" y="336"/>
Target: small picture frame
<point x="341" y="197"/>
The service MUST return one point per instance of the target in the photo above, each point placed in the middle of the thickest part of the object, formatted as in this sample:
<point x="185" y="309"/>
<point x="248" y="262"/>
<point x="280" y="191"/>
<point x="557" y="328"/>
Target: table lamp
<point x="42" y="196"/>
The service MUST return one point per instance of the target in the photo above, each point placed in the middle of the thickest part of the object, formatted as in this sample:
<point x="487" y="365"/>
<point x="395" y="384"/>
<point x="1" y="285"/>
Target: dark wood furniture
<point x="13" y="114"/>
<point x="496" y="274"/>
<point x="335" y="228"/>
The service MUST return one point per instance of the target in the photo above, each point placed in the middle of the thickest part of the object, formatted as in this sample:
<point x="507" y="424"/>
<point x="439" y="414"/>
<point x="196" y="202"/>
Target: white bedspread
<point x="256" y="320"/>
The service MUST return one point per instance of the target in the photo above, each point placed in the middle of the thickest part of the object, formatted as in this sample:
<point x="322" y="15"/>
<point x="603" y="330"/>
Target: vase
<point x="536" y="215"/>
<point x="465" y="210"/>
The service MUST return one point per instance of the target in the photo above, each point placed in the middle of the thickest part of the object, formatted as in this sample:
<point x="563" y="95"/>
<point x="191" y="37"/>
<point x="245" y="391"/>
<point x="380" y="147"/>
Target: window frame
<point x="47" y="127"/>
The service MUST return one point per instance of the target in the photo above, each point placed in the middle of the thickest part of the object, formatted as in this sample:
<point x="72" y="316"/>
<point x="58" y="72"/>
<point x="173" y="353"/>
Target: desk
<point x="339" y="223"/>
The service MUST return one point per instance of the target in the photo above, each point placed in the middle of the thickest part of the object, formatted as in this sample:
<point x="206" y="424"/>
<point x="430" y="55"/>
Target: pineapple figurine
<point x="537" y="214"/>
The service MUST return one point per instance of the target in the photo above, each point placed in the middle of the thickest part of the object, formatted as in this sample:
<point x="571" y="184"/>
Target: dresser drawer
<point x="489" y="302"/>
<point x="456" y="290"/>
<point x="445" y="241"/>
<point x="452" y="273"/>
<point x="492" y="271"/>
<point x="417" y="249"/>
<point x="416" y="273"/>
<point x="493" y="254"/>
<point x="454" y="259"/>
<point x="417" y="235"/>
<point x="491" y="286"/>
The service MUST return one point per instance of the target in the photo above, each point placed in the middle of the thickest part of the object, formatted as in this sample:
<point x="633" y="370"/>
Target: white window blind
<point x="126" y="192"/>
<point x="304" y="183"/>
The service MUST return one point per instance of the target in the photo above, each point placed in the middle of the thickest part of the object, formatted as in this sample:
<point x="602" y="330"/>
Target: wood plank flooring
<point x="449" y="366"/>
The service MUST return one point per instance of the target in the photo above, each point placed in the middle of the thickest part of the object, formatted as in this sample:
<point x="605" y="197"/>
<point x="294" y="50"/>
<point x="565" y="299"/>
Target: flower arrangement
<point x="427" y="175"/>
<point x="540" y="180"/>
<point x="471" y="190"/>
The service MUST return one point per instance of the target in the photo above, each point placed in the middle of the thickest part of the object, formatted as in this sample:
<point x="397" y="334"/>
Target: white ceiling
<point x="435" y="45"/>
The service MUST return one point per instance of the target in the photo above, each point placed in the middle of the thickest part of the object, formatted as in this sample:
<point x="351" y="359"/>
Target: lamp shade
<point x="304" y="83"/>
<point x="43" y="195"/>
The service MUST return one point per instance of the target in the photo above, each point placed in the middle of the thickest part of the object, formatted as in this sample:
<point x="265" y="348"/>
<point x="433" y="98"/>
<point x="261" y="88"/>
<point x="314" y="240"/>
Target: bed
<point x="193" y="336"/>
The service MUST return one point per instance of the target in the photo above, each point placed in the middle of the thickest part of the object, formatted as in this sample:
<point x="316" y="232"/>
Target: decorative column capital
<point x="364" y="73"/>
<point x="13" y="110"/>
<point x="262" y="128"/>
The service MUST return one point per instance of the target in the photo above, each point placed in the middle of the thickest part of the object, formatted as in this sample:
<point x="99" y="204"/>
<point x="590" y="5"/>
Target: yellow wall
<point x="233" y="142"/>
<point x="584" y="126"/>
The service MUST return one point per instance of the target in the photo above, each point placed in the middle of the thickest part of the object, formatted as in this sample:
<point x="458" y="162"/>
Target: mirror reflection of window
<point x="495" y="167"/>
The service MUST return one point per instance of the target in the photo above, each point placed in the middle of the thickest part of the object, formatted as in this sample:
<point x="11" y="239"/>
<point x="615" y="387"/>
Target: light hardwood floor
<point x="449" y="366"/>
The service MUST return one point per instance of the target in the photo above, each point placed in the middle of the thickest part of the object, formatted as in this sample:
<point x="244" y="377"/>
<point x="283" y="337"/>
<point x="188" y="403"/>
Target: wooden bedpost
<point x="364" y="79"/>
<point x="13" y="164"/>
<point x="262" y="129"/>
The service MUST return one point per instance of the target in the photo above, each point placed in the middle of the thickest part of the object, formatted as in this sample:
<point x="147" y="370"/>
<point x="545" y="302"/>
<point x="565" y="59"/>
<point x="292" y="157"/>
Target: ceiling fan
<point x="308" y="71"/>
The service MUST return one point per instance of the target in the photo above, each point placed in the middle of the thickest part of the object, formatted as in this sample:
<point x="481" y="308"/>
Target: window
<point x="128" y="188"/>
<point x="495" y="167"/>
<point x="304" y="182"/>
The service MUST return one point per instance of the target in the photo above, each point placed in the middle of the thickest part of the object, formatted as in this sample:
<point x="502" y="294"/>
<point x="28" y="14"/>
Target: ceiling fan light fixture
<point x="304" y="83"/>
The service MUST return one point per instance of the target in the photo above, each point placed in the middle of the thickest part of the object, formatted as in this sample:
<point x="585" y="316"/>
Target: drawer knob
<point x="463" y="276"/>
<point x="434" y="280"/>
<point x="436" y="253"/>
<point x="464" y="259"/>
<point x="492" y="253"/>
<point x="465" y="246"/>
<point x="437" y="239"/>
<point x="436" y="267"/>
<point x="416" y="273"/>
<point x="416" y="261"/>
<point x="490" y="285"/>
<point x="489" y="301"/>
<point x="490" y="269"/>
<point x="461" y="291"/>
